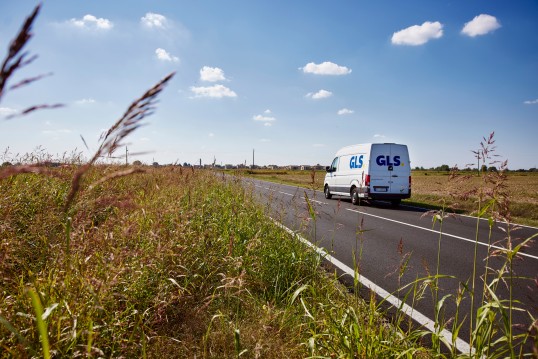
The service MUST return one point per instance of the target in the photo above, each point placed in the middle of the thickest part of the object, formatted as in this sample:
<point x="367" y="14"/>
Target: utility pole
<point x="253" y="158"/>
<point x="126" y="156"/>
<point x="478" y="157"/>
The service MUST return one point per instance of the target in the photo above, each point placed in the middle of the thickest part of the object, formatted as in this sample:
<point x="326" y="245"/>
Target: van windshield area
<point x="334" y="165"/>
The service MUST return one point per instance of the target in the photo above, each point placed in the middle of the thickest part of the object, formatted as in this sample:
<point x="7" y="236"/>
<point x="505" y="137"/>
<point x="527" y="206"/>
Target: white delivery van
<point x="370" y="171"/>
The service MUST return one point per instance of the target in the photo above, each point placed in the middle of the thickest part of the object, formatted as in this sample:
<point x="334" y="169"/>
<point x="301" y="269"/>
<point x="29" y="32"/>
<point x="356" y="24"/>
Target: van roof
<point x="351" y="149"/>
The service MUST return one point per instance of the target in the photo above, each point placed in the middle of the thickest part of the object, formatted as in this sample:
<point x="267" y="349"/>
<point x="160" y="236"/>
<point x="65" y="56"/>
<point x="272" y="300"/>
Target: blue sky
<point x="294" y="80"/>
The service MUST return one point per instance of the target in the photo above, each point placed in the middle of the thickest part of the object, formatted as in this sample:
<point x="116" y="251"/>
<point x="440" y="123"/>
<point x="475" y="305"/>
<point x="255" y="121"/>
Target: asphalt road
<point x="380" y="240"/>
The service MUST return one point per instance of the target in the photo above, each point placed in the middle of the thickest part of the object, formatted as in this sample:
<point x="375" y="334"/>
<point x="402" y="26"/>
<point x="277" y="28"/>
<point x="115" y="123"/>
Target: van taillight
<point x="367" y="181"/>
<point x="409" y="181"/>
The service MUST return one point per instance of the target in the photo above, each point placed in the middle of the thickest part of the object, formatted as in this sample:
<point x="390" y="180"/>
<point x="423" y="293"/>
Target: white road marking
<point x="438" y="232"/>
<point x="420" y="318"/>
<point x="313" y="200"/>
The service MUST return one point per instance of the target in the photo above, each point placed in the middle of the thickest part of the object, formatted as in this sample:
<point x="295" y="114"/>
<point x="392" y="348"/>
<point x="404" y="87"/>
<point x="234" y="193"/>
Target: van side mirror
<point x="329" y="169"/>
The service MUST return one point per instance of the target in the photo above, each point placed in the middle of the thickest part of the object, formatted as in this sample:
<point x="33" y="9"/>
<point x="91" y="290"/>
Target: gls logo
<point x="356" y="161"/>
<point x="385" y="161"/>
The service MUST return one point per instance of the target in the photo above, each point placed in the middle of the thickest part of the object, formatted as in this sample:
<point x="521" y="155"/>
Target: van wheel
<point x="328" y="194"/>
<point x="355" y="196"/>
<point x="395" y="202"/>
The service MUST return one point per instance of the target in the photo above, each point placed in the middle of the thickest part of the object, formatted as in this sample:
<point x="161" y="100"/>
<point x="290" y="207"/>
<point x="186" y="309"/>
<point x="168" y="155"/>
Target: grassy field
<point x="172" y="262"/>
<point x="168" y="263"/>
<point x="432" y="189"/>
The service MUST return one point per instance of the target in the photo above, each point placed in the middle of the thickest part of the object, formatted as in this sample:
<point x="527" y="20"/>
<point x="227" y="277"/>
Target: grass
<point x="431" y="188"/>
<point x="165" y="261"/>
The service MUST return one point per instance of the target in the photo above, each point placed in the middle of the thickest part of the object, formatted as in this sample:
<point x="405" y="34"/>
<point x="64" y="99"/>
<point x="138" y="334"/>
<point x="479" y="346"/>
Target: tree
<point x="5" y="164"/>
<point x="492" y="169"/>
<point x="484" y="168"/>
<point x="137" y="163"/>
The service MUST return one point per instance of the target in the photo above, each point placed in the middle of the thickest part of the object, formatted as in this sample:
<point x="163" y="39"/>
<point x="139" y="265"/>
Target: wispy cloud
<point x="216" y="91"/>
<point x="345" y="111"/>
<point x="418" y="34"/>
<point x="325" y="68"/>
<point x="56" y="132"/>
<point x="321" y="94"/>
<point x="211" y="134"/>
<point x="530" y="102"/>
<point x="152" y="20"/>
<point x="212" y="74"/>
<point x="85" y="101"/>
<point x="262" y="118"/>
<point x="91" y="22"/>
<point x="481" y="25"/>
<point x="164" y="55"/>
<point x="379" y="136"/>
<point x="6" y="111"/>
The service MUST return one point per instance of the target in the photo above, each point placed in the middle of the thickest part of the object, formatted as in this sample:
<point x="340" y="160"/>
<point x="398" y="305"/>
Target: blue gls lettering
<point x="356" y="162"/>
<point x="385" y="161"/>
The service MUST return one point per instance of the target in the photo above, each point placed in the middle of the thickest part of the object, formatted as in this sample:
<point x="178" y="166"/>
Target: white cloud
<point x="531" y="102"/>
<point x="481" y="25"/>
<point x="379" y="136"/>
<point x="164" y="55"/>
<point x="262" y="118"/>
<point x="325" y="68"/>
<point x="345" y="111"/>
<point x="152" y="20"/>
<point x="211" y="134"/>
<point x="267" y="111"/>
<point x="268" y="124"/>
<point x="418" y="34"/>
<point x="321" y="94"/>
<point x="85" y="101"/>
<point x="92" y="22"/>
<point x="211" y="74"/>
<point x="6" y="111"/>
<point x="56" y="132"/>
<point x="216" y="91"/>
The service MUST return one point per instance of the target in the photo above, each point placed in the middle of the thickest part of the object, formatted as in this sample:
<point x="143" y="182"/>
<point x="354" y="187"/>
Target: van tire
<point x="395" y="202"/>
<point x="355" y="199"/>
<point x="327" y="192"/>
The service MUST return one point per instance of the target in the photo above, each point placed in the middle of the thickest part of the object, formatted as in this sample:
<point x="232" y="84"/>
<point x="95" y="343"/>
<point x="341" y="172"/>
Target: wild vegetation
<point x="119" y="261"/>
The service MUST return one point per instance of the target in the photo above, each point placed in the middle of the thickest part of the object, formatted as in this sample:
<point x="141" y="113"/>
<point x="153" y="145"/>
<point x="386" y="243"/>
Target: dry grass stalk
<point x="15" y="170"/>
<point x="112" y="140"/>
<point x="16" y="59"/>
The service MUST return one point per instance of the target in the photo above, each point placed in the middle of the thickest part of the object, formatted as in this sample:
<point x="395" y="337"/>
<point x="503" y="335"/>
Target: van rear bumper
<point x="389" y="196"/>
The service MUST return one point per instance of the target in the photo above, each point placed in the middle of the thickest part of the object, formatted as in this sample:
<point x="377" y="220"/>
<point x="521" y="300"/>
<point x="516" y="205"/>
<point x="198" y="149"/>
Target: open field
<point x="432" y="189"/>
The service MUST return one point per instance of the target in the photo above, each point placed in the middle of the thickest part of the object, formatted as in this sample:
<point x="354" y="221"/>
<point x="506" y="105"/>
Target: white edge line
<point x="443" y="233"/>
<point x="420" y="318"/>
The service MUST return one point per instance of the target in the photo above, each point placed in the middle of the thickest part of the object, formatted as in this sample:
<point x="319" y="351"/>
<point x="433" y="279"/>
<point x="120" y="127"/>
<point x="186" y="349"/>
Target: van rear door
<point x="389" y="171"/>
<point x="401" y="169"/>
